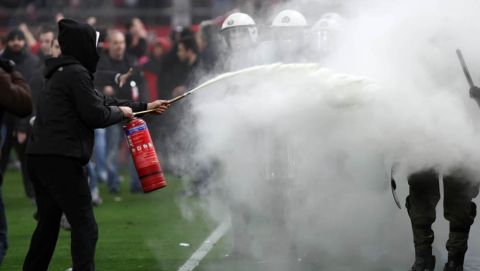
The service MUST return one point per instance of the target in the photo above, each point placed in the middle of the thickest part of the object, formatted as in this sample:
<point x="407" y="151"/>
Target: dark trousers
<point x="61" y="186"/>
<point x="459" y="210"/>
<point x="10" y="142"/>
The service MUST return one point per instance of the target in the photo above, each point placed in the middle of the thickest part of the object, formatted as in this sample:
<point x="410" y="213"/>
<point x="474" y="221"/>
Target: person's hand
<point x="108" y="91"/>
<point x="475" y="92"/>
<point x="127" y="112"/>
<point x="21" y="137"/>
<point x="23" y="27"/>
<point x="123" y="78"/>
<point x="159" y="105"/>
<point x="59" y="16"/>
<point x="92" y="20"/>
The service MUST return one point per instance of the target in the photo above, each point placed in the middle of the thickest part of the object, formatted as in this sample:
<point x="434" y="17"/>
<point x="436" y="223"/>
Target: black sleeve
<point x="118" y="102"/>
<point x="91" y="105"/>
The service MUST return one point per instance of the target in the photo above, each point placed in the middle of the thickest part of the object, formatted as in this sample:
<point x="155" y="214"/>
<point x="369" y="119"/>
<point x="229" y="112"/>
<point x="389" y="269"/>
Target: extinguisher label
<point x="136" y="129"/>
<point x="144" y="156"/>
<point x="141" y="147"/>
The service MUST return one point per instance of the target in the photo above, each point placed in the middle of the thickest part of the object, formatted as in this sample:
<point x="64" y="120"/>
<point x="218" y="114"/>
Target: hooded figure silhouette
<point x="68" y="110"/>
<point x="78" y="40"/>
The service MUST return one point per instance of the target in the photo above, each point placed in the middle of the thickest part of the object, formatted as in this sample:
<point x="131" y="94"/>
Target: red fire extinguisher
<point x="144" y="156"/>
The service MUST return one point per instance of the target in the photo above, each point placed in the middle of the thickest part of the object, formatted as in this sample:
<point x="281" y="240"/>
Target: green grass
<point x="141" y="232"/>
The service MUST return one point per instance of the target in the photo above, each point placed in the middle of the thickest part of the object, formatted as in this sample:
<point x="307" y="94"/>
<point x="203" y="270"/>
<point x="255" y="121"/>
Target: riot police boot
<point x="457" y="247"/>
<point x="424" y="264"/>
<point x="452" y="266"/>
<point x="424" y="260"/>
<point x="455" y="262"/>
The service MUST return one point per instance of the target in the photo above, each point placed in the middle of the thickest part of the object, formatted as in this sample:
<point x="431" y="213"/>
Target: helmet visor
<point x="239" y="37"/>
<point x="288" y="33"/>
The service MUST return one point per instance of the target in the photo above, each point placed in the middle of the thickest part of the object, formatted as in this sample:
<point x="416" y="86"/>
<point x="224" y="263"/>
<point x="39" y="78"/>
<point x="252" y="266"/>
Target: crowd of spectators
<point x="154" y="65"/>
<point x="157" y="67"/>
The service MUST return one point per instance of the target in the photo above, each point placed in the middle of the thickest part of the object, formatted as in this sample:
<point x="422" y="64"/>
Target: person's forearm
<point x="136" y="106"/>
<point x="31" y="41"/>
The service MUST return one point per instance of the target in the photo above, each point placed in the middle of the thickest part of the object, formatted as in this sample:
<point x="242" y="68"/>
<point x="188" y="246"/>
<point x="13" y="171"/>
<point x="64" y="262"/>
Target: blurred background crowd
<point x="167" y="43"/>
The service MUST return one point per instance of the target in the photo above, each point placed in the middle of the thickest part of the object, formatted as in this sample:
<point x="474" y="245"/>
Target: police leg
<point x="460" y="211"/>
<point x="421" y="202"/>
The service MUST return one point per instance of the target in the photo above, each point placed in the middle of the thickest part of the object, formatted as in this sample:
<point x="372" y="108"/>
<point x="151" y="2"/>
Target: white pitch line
<point x="206" y="246"/>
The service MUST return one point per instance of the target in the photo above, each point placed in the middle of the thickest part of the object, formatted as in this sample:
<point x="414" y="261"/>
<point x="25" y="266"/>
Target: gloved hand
<point x="475" y="92"/>
<point x="7" y="64"/>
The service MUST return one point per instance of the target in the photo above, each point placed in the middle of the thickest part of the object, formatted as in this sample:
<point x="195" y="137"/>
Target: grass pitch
<point x="137" y="232"/>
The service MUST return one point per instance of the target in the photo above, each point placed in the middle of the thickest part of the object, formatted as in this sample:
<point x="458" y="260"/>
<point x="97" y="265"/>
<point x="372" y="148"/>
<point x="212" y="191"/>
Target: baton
<point x="464" y="67"/>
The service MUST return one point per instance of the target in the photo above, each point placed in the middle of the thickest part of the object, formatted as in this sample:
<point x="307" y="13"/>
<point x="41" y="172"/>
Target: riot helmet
<point x="239" y="31"/>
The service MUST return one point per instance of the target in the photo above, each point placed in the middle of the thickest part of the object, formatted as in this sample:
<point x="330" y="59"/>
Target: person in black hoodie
<point x="68" y="111"/>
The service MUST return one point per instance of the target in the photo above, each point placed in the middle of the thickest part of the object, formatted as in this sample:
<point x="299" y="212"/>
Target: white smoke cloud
<point x="305" y="150"/>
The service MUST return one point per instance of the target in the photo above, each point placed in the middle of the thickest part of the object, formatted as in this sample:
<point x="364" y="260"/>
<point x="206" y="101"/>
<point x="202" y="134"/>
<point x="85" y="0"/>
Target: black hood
<point x="78" y="41"/>
<point x="52" y="64"/>
<point x="15" y="33"/>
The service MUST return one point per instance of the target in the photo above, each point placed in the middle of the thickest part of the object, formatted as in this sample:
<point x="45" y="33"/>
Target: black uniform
<point x="459" y="210"/>
<point x="68" y="111"/>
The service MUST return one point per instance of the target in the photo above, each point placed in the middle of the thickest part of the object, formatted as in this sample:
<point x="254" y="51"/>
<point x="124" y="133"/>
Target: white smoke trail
<point x="304" y="150"/>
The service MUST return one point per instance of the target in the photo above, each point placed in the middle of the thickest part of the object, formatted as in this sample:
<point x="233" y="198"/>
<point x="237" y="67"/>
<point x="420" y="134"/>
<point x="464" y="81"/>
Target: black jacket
<point x="107" y="64"/>
<point x="25" y="62"/>
<point x="69" y="108"/>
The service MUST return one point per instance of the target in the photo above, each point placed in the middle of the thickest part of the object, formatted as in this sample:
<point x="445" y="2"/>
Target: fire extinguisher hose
<point x="212" y="81"/>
